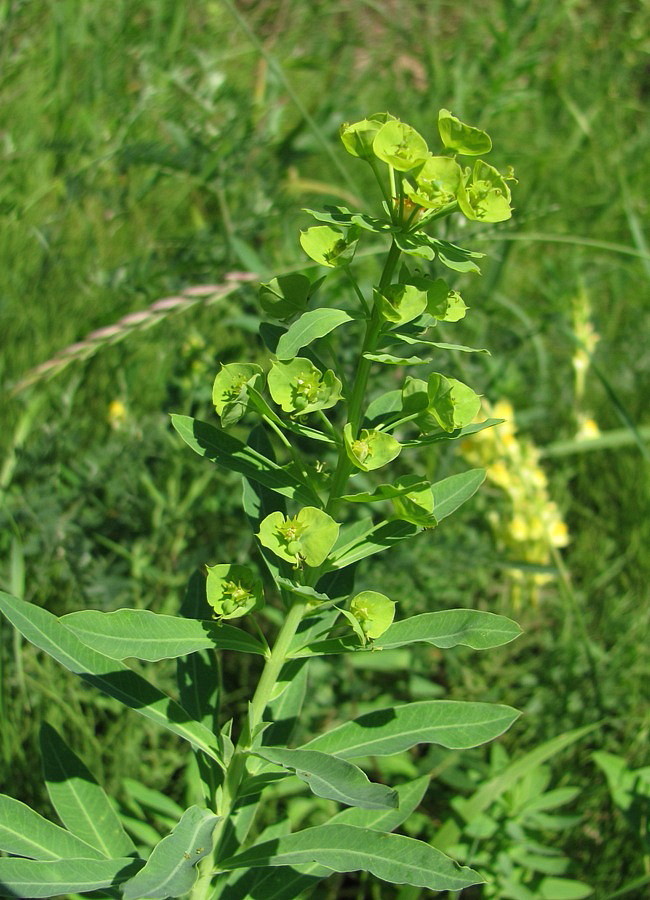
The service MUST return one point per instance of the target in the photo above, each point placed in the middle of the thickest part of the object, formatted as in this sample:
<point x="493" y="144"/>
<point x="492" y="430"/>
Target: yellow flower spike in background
<point x="533" y="526"/>
<point x="586" y="342"/>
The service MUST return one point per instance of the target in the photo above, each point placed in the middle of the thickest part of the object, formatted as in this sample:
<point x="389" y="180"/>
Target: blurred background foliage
<point x="152" y="145"/>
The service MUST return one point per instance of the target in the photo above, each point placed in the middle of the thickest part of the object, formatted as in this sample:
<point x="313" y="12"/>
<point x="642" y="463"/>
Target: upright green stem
<point x="237" y="767"/>
<point x="355" y="407"/>
<point x="274" y="664"/>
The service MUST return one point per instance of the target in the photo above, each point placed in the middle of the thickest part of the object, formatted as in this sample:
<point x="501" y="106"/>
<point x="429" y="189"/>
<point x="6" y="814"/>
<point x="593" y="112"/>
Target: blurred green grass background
<point x="151" y="145"/>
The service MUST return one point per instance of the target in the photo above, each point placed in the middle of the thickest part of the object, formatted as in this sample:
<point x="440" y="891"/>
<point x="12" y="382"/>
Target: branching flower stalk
<point x="335" y="448"/>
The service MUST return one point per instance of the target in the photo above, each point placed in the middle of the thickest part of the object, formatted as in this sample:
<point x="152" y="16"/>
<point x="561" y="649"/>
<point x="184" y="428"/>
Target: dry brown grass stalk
<point x="156" y="312"/>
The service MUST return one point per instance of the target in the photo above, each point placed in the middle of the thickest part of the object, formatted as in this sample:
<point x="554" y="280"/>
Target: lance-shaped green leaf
<point x="444" y="629"/>
<point x="388" y="359"/>
<point x="332" y="778"/>
<point x="400" y="146"/>
<point x="372" y="449"/>
<point x="457" y="258"/>
<point x="404" y="485"/>
<point x="452" y="492"/>
<point x="314" y="324"/>
<point x="79" y="801"/>
<point x="436" y="183"/>
<point x="454" y="724"/>
<point x="371" y="613"/>
<point x="348" y="848"/>
<point x="227" y="451"/>
<point x="378" y="539"/>
<point x="47" y="633"/>
<point x="286" y="295"/>
<point x="230" y="390"/>
<point x="475" y="427"/>
<point x="309" y="536"/>
<point x="401" y="303"/>
<point x="484" y="196"/>
<point x="299" y="387"/>
<point x="416" y="243"/>
<point x="289" y="883"/>
<point x="24" y="832"/>
<point x="52" y="878"/>
<point x="439" y="345"/>
<point x="329" y="246"/>
<point x="303" y="591"/>
<point x="461" y="138"/>
<point x="450" y="628"/>
<point x="143" y="634"/>
<point x="452" y="404"/>
<point x="358" y="137"/>
<point x="233" y="590"/>
<point x="341" y="216"/>
<point x="171" y="870"/>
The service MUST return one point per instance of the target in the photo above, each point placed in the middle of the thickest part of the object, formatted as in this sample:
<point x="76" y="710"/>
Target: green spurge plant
<point x="305" y="509"/>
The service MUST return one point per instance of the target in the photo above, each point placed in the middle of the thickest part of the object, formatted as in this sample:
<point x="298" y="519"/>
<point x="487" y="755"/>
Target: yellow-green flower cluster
<point x="533" y="525"/>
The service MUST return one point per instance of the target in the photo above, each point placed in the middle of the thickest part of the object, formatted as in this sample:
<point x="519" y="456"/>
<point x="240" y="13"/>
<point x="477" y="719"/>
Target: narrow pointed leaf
<point x="452" y="435"/>
<point x="339" y="215"/>
<point x="37" y="878"/>
<point x="142" y="634"/>
<point x="314" y="324"/>
<point x="454" y="724"/>
<point x="382" y="537"/>
<point x="24" y="832"/>
<point x="457" y="258"/>
<point x="388" y="360"/>
<point x="332" y="778"/>
<point x="347" y="848"/>
<point x="171" y="870"/>
<point x="449" y="628"/>
<point x="439" y="345"/>
<point x="228" y="452"/>
<point x="288" y="883"/>
<point x="388" y="491"/>
<point x="452" y="492"/>
<point x="45" y="631"/>
<point x="444" y="629"/>
<point x="79" y="801"/>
